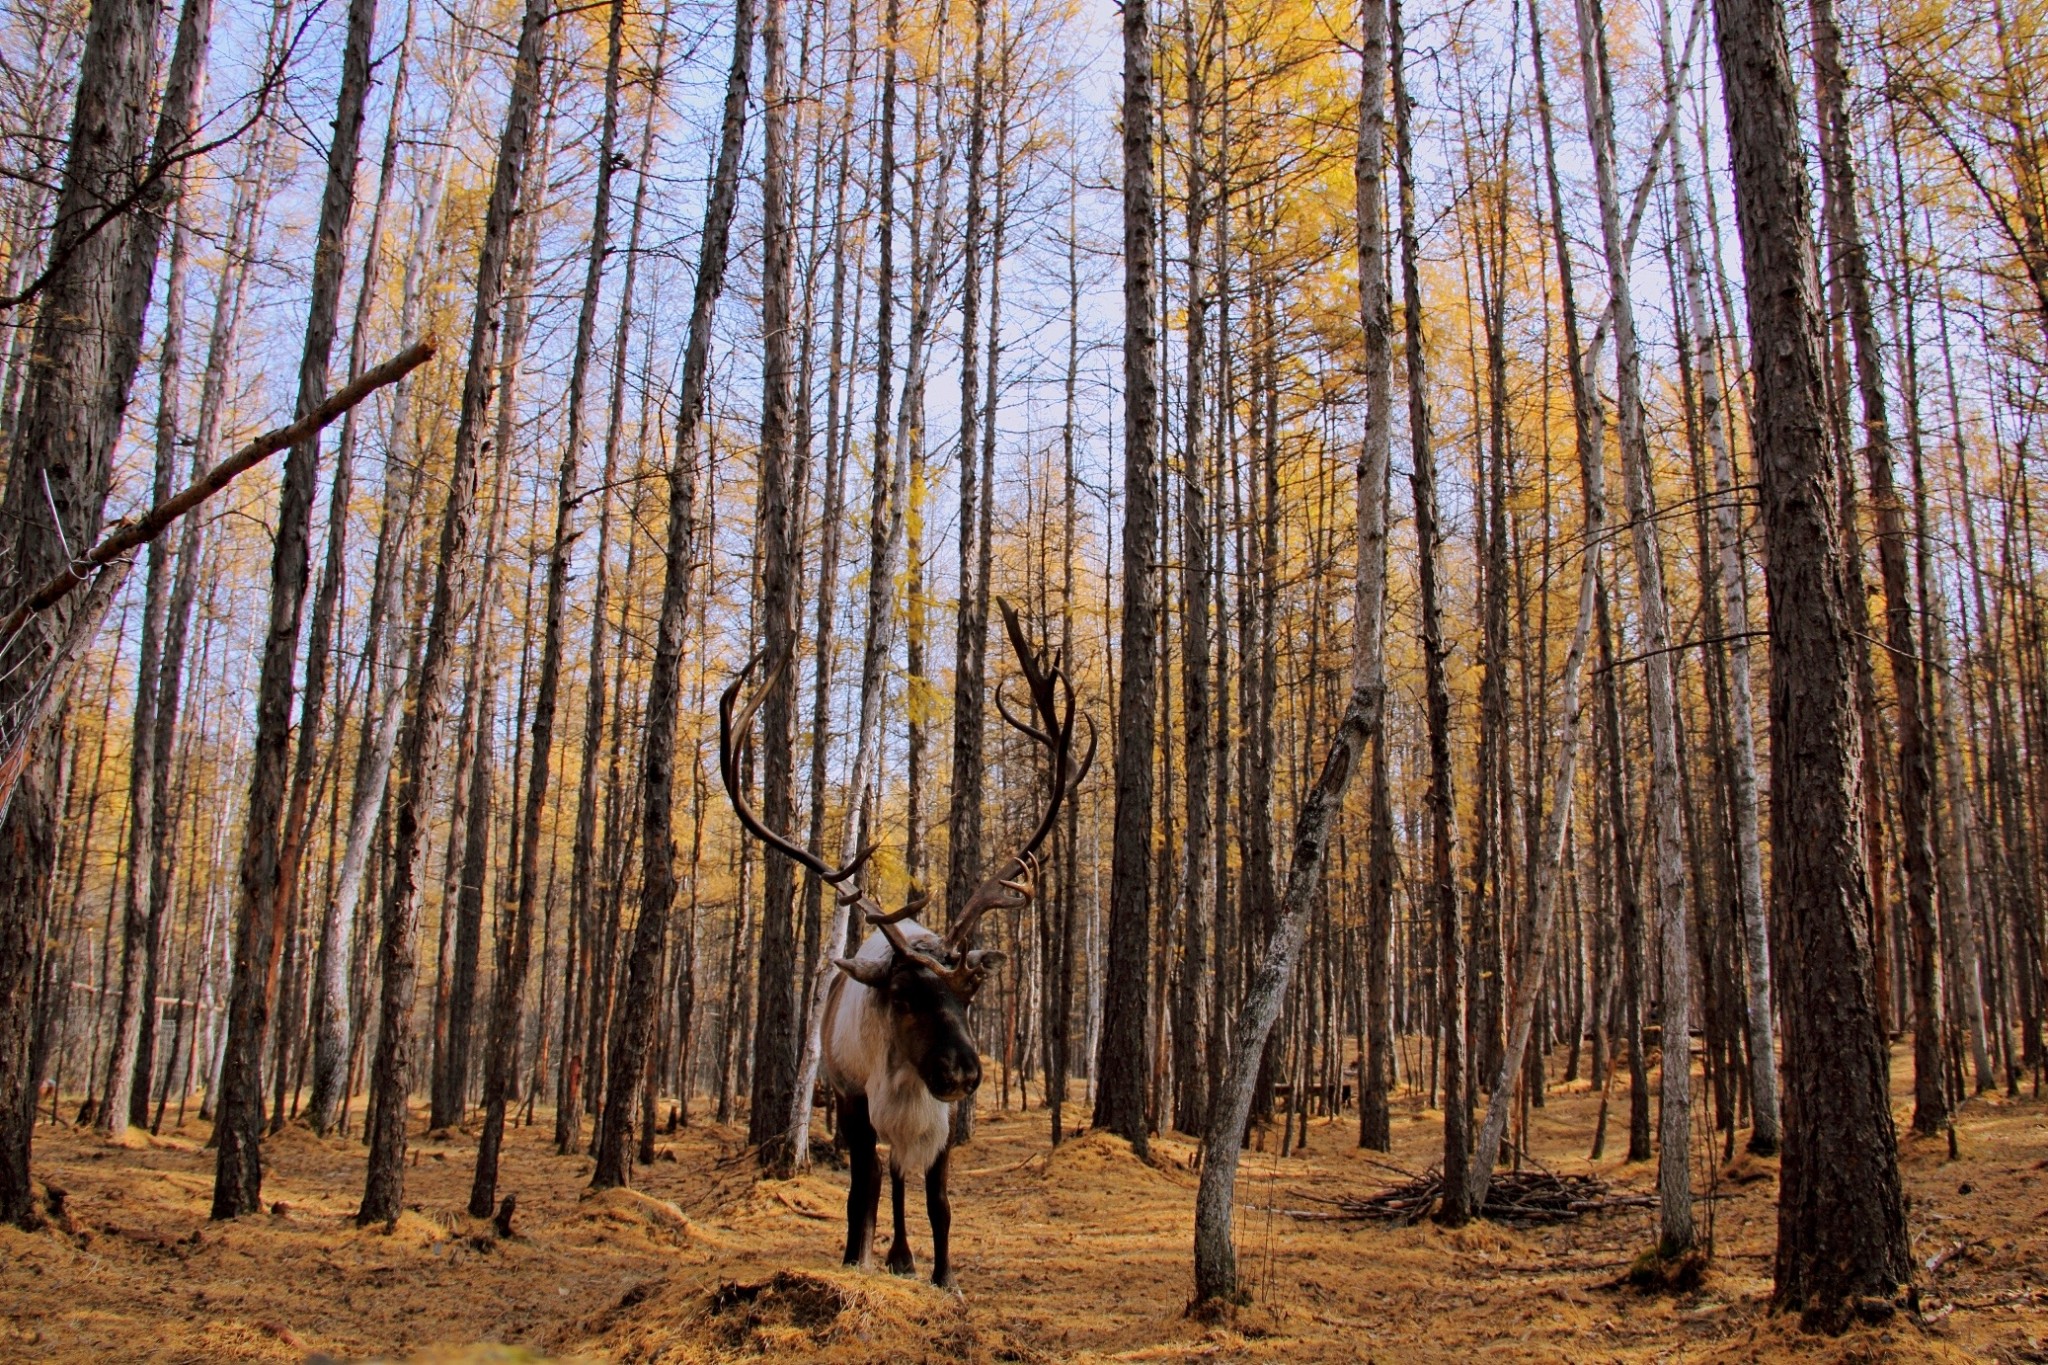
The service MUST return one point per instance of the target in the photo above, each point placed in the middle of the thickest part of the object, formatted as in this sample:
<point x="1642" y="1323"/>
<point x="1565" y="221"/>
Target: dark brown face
<point x="929" y="1024"/>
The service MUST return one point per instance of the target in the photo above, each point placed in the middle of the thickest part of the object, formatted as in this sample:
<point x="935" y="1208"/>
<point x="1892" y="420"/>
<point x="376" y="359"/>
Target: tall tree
<point x="420" y="745"/>
<point x="1850" y="266"/>
<point x="1841" y="1216"/>
<point x="1121" y="1064"/>
<point x="1674" y="1155"/>
<point x="508" y="994"/>
<point x="637" y="1011"/>
<point x="1733" y="576"/>
<point x="775" y="1022"/>
<point x="1223" y="1139"/>
<point x="1190" y="1076"/>
<point x="266" y="870"/>
<point x="63" y="441"/>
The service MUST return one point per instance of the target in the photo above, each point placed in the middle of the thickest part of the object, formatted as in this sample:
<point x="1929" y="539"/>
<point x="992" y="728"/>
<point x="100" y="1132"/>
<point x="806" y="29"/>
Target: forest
<point x="1368" y="677"/>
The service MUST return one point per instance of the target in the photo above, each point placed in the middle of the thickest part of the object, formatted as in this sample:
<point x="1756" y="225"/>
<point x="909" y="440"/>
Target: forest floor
<point x="1080" y="1254"/>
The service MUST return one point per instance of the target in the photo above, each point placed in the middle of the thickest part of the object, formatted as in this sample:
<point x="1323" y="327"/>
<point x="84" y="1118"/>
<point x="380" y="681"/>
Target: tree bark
<point x="775" y="1022"/>
<point x="1121" y="1058"/>
<point x="1763" y="1053"/>
<point x="1223" y="1137"/>
<point x="1841" y="1215"/>
<point x="391" y="1078"/>
<point x="1851" y="266"/>
<point x="269" y="853"/>
<point x="657" y="760"/>
<point x="1674" y="1185"/>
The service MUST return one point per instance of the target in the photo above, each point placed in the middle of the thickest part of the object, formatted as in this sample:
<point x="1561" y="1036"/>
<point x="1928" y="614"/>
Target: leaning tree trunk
<point x="1674" y="1178"/>
<point x="1534" y="938"/>
<point x="267" y="865"/>
<point x="1443" y="894"/>
<point x="327" y="1014"/>
<point x="1223" y="1137"/>
<point x="335" y="1046"/>
<point x="657" y="757"/>
<point x="1841" y="1214"/>
<point x="391" y="1075"/>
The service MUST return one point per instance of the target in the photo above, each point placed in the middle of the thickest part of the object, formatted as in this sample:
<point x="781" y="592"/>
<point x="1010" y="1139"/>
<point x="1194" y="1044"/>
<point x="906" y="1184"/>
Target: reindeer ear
<point x="986" y="959"/>
<point x="868" y="972"/>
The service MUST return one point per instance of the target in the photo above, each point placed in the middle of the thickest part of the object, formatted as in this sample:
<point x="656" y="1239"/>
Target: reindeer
<point x="898" y="1052"/>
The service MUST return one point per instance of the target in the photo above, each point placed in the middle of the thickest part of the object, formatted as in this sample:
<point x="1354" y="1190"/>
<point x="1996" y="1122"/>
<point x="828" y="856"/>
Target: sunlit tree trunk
<point x="1841" y="1220"/>
<point x="392" y="1073"/>
<point x="637" y="1010"/>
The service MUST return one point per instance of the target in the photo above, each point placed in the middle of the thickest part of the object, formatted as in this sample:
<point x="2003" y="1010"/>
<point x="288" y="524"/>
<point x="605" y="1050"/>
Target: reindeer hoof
<point x="901" y="1262"/>
<point x="944" y="1280"/>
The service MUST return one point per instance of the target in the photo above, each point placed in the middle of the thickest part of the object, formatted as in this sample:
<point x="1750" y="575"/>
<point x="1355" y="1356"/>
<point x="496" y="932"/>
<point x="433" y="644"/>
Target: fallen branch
<point x="131" y="534"/>
<point x="1517" y="1198"/>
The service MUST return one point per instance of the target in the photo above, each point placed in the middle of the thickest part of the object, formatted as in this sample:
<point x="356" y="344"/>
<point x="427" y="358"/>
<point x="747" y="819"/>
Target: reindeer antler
<point x="1053" y="713"/>
<point x="728" y="771"/>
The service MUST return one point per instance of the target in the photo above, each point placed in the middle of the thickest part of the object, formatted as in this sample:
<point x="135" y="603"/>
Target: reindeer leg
<point x="866" y="1189"/>
<point x="939" y="1209"/>
<point x="901" y="1262"/>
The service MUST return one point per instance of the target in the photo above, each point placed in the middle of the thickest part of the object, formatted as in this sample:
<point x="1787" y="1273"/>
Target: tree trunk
<point x="1841" y="1221"/>
<point x="1190" y="1077"/>
<point x="328" y="1013"/>
<point x="1763" y="1055"/>
<point x="1120" y="1062"/>
<point x="391" y="1077"/>
<point x="1674" y="1182"/>
<point x="970" y="643"/>
<point x="1534" y="935"/>
<point x="821" y="945"/>
<point x="269" y="854"/>
<point x="1916" y="763"/>
<point x="775" y="1024"/>
<point x="1223" y="1138"/>
<point x="657" y="760"/>
<point x="508" y="995"/>
<point x="63" y="442"/>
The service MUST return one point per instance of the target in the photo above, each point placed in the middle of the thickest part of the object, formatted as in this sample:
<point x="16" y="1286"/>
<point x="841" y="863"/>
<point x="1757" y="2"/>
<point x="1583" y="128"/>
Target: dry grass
<point x="1076" y="1255"/>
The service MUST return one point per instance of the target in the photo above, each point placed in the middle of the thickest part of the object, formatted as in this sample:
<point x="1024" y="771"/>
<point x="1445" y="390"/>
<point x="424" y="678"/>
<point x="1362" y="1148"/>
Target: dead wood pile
<point x="1516" y="1198"/>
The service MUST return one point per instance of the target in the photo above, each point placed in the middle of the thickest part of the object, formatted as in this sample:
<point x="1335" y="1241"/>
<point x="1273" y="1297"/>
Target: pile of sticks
<point x="1516" y="1198"/>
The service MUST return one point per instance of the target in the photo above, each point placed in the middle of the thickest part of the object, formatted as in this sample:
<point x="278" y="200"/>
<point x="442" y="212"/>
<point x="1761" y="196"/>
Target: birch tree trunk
<point x="1223" y="1137"/>
<point x="1674" y="1178"/>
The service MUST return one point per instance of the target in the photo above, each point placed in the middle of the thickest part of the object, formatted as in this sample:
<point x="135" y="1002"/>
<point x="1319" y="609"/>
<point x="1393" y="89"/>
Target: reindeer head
<point x="927" y="982"/>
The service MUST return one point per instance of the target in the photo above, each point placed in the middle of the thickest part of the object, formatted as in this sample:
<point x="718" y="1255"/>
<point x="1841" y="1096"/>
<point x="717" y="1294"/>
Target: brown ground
<point x="1080" y="1255"/>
